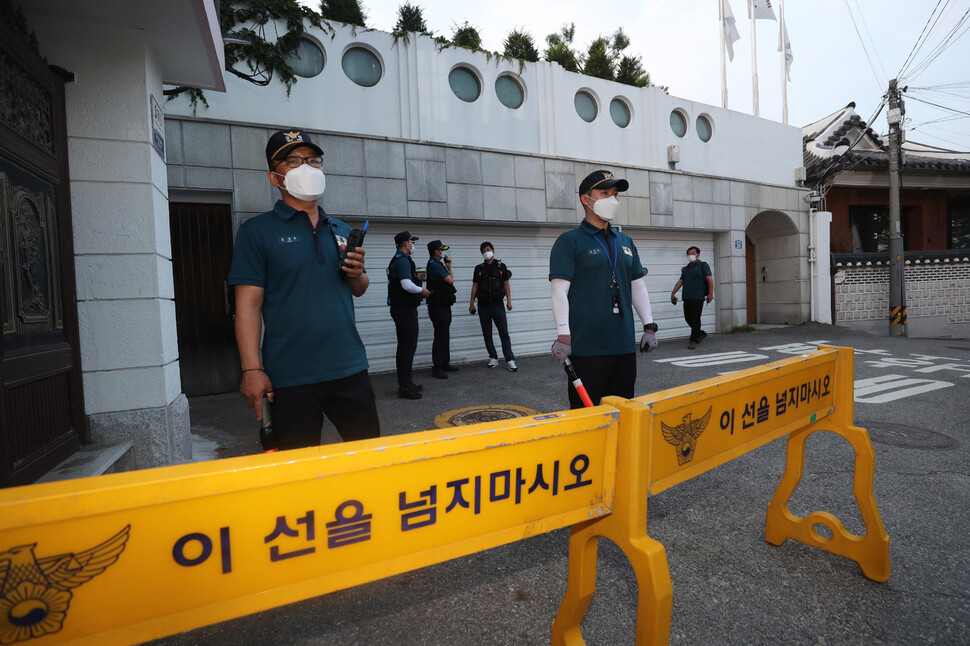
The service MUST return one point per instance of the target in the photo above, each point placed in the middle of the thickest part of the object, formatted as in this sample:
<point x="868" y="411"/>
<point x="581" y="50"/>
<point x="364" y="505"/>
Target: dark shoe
<point x="702" y="336"/>
<point x="408" y="393"/>
<point x="691" y="346"/>
<point x="451" y="368"/>
<point x="414" y="386"/>
<point x="439" y="373"/>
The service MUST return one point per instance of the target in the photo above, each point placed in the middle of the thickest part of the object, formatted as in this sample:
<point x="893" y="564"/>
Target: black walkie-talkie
<point x="355" y="240"/>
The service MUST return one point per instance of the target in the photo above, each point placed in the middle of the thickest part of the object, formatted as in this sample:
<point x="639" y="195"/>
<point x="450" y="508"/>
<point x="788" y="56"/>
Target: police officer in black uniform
<point x="404" y="294"/>
<point x="490" y="284"/>
<point x="441" y="283"/>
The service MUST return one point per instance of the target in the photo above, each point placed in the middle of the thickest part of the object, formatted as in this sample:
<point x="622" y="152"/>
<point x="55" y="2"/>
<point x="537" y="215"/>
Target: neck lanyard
<point x="609" y="260"/>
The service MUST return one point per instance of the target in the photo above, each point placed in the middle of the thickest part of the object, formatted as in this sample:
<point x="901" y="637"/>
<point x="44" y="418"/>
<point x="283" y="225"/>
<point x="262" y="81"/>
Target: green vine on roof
<point x="262" y="58"/>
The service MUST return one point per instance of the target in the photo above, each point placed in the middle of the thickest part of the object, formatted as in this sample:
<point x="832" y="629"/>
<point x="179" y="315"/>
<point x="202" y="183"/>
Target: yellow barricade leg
<point x="627" y="528"/>
<point x="871" y="550"/>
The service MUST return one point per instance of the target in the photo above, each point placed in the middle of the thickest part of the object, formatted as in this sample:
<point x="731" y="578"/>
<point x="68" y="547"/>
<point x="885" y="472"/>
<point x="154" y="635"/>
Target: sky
<point x="844" y="51"/>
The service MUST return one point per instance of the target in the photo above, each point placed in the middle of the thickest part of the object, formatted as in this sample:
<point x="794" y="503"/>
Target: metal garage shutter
<point x="526" y="252"/>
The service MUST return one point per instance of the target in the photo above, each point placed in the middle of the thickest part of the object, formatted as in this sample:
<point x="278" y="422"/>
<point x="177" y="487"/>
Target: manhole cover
<point x="478" y="414"/>
<point x="911" y="437"/>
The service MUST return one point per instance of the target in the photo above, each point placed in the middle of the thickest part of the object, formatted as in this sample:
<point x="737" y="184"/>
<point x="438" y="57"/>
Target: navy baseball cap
<point x="434" y="245"/>
<point x="602" y="179"/>
<point x="282" y="142"/>
<point x="403" y="236"/>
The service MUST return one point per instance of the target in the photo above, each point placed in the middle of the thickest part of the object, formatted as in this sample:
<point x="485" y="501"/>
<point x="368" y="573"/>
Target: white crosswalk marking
<point x="887" y="388"/>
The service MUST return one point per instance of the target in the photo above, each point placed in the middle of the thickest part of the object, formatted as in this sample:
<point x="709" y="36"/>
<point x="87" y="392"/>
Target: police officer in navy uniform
<point x="597" y="281"/>
<point x="698" y="284"/>
<point x="441" y="283"/>
<point x="404" y="294"/>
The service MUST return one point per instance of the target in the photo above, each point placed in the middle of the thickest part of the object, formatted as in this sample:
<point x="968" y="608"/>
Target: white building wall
<point x="119" y="202"/>
<point x="413" y="101"/>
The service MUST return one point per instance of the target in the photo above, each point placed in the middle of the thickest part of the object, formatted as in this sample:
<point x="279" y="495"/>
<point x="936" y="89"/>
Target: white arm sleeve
<point x="560" y="305"/>
<point x="410" y="287"/>
<point x="641" y="301"/>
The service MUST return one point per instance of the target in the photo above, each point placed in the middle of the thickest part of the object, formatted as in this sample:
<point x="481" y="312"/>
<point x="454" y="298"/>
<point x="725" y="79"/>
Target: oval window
<point x="585" y="106"/>
<point x="678" y="123"/>
<point x="362" y="67"/>
<point x="620" y="112"/>
<point x="509" y="92"/>
<point x="464" y="83"/>
<point x="704" y="128"/>
<point x="307" y="59"/>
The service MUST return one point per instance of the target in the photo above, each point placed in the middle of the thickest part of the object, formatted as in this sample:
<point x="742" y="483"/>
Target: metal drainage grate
<point x="911" y="437"/>
<point x="478" y="414"/>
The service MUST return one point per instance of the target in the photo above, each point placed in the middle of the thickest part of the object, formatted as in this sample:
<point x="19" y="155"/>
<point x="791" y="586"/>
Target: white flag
<point x="762" y="10"/>
<point x="730" y="29"/>
<point x="783" y="44"/>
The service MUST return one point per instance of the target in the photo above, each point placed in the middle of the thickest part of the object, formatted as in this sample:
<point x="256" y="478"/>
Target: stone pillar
<point x="123" y="256"/>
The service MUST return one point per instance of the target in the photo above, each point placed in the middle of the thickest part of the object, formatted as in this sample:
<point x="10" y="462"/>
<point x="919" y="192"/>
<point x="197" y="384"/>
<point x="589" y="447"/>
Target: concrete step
<point x="93" y="460"/>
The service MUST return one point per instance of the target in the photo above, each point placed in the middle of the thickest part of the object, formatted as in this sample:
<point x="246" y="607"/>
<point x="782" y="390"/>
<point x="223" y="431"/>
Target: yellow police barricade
<point x="674" y="435"/>
<point x="129" y="557"/>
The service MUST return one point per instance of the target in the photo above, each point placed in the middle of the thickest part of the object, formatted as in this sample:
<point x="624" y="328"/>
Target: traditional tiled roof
<point x="843" y="141"/>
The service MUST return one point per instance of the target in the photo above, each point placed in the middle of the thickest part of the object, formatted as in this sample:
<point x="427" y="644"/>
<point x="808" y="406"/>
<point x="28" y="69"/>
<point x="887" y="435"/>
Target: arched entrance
<point x="775" y="274"/>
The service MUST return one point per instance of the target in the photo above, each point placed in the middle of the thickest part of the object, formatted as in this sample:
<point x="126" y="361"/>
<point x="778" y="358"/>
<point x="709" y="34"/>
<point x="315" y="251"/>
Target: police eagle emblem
<point x="684" y="436"/>
<point x="35" y="592"/>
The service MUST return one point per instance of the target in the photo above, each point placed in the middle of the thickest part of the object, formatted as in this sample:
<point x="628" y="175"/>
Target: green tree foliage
<point x="466" y="36"/>
<point x="630" y="71"/>
<point x="410" y="17"/>
<point x="598" y="61"/>
<point x="559" y="50"/>
<point x="346" y="11"/>
<point x="519" y="44"/>
<point x="246" y="19"/>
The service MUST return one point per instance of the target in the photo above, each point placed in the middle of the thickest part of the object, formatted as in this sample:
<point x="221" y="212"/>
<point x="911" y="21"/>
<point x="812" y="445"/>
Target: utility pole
<point x="897" y="276"/>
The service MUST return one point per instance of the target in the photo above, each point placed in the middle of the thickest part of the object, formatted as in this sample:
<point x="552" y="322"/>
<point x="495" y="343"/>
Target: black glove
<point x="649" y="339"/>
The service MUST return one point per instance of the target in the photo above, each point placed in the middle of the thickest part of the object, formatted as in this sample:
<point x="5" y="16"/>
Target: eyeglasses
<point x="295" y="161"/>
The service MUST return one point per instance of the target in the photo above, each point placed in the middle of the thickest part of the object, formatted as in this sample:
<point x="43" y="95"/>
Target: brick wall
<point x="937" y="289"/>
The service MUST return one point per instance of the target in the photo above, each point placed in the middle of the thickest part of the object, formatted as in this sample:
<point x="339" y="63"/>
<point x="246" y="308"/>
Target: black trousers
<point x="692" y="314"/>
<point x="298" y="411"/>
<point x="487" y="313"/>
<point x="406" y="325"/>
<point x="611" y="374"/>
<point x="440" y="316"/>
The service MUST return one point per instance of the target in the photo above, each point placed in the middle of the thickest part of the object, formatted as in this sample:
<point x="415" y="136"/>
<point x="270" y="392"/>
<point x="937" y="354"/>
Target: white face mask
<point x="488" y="255"/>
<point x="606" y="208"/>
<point x="691" y="258"/>
<point x="305" y="183"/>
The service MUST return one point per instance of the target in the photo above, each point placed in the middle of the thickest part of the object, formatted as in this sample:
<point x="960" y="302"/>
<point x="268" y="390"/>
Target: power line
<point x="872" y="67"/>
<point x="921" y="40"/>
<point x="948" y="40"/>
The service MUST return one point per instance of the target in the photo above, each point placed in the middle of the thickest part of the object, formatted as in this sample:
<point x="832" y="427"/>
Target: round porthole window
<point x="362" y="66"/>
<point x="509" y="91"/>
<point x="620" y="112"/>
<point x="464" y="83"/>
<point x="585" y="106"/>
<point x="704" y="128"/>
<point x="678" y="123"/>
<point x="307" y="60"/>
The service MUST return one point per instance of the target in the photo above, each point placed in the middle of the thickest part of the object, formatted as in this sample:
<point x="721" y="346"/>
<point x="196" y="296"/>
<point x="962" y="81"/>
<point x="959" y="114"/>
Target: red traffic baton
<point x="577" y="382"/>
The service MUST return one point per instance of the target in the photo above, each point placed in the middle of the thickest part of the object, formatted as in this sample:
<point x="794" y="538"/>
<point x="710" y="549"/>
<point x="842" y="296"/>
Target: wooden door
<point x="42" y="417"/>
<point x="201" y="255"/>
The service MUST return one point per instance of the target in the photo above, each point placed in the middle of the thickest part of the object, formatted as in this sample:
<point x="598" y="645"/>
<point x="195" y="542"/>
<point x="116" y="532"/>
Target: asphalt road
<point x="730" y="585"/>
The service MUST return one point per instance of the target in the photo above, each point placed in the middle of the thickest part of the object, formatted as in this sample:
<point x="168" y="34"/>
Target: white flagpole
<point x="724" y="97"/>
<point x="784" y="62"/>
<point x="754" y="59"/>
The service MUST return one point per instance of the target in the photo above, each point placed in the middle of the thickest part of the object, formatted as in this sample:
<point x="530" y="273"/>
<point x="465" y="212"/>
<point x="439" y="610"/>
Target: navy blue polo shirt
<point x="582" y="256"/>
<point x="695" y="277"/>
<point x="309" y="328"/>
